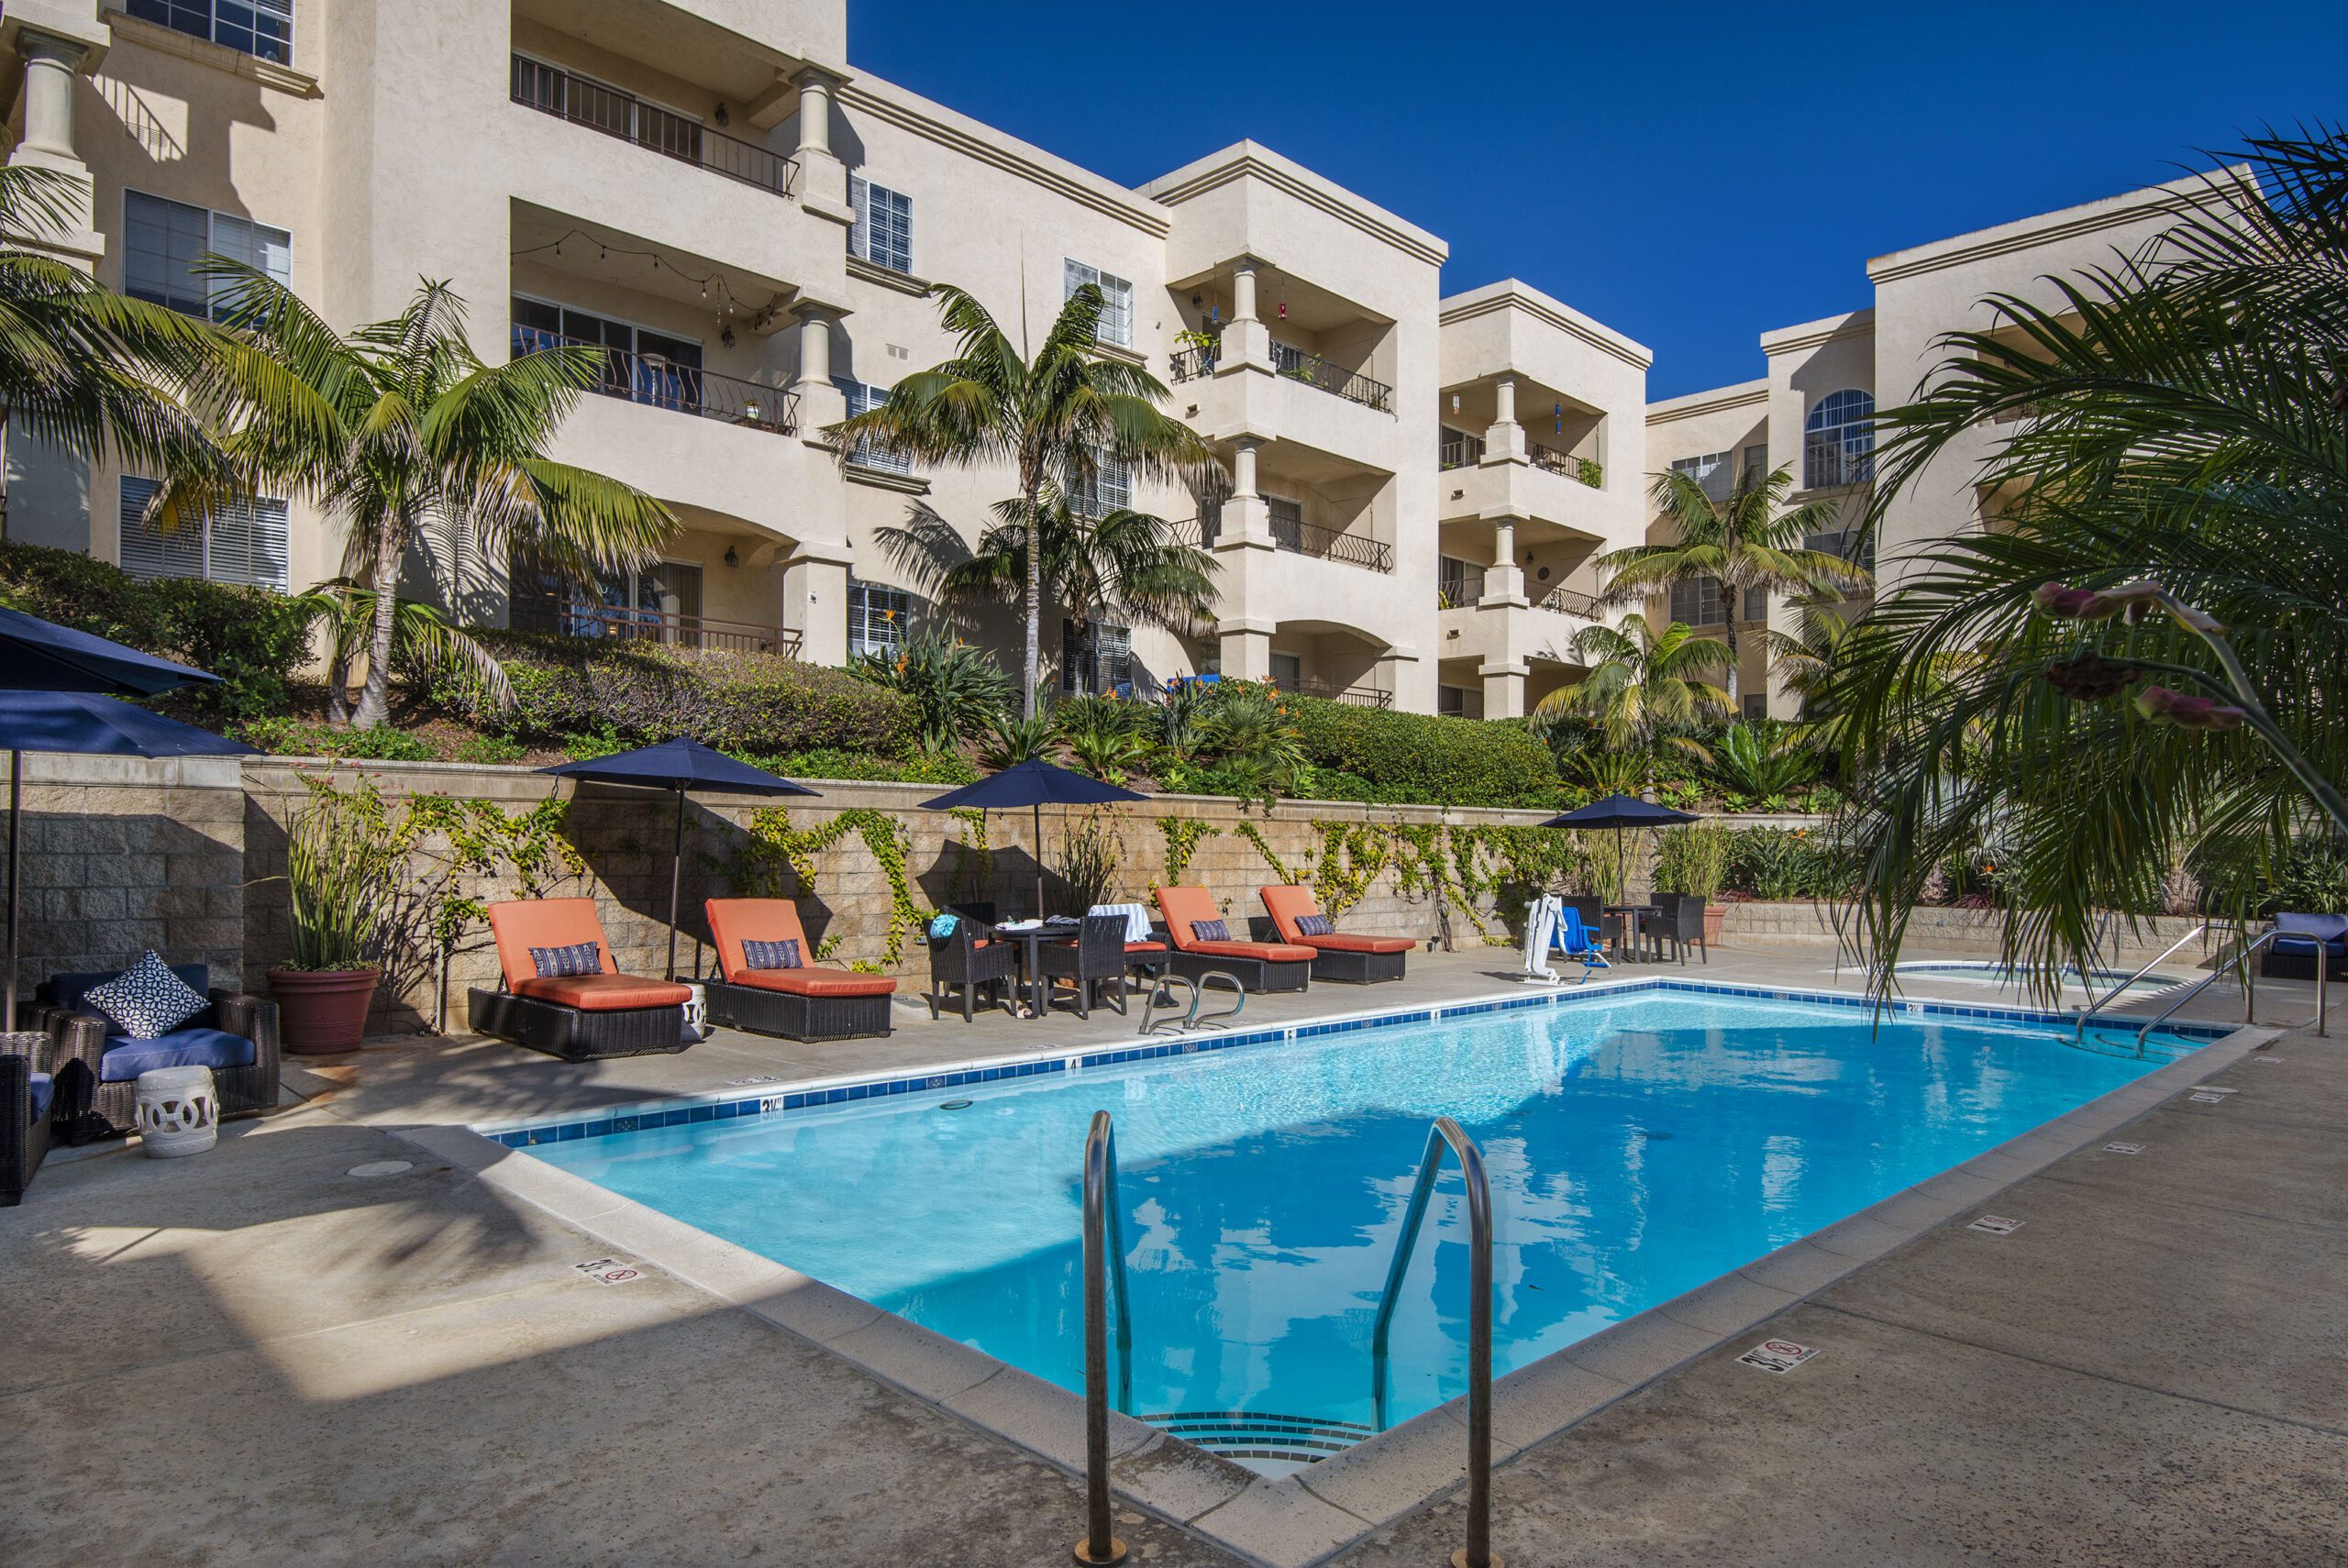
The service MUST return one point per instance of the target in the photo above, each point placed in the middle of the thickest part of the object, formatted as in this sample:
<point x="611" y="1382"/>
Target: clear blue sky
<point x="1690" y="174"/>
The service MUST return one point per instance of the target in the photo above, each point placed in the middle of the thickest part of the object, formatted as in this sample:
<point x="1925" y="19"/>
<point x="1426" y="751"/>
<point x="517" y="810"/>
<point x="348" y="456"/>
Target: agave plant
<point x="1009" y="741"/>
<point x="1103" y="734"/>
<point x="1758" y="759"/>
<point x="958" y="690"/>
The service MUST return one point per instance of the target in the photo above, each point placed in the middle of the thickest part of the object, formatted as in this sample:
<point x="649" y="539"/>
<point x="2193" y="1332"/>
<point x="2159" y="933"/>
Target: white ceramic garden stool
<point x="179" y="1112"/>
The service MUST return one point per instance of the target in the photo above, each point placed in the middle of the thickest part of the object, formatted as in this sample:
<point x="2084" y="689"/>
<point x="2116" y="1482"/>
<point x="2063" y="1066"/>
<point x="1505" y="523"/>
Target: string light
<point x="606" y="251"/>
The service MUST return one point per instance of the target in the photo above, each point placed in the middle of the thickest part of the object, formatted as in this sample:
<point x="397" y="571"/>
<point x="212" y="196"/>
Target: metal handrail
<point x="1105" y="1243"/>
<point x="1190" y="364"/>
<point x="1294" y="364"/>
<point x="1571" y="601"/>
<point x="1479" y="1550"/>
<point x="566" y="95"/>
<point x="2095" y="1004"/>
<point x="659" y="382"/>
<point x="1299" y="538"/>
<point x="2239" y="961"/>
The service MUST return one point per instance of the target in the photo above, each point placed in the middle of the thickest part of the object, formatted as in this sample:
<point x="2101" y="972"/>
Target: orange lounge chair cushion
<point x="1287" y="904"/>
<point x="525" y="923"/>
<point x="1270" y="951"/>
<point x="816" y="982"/>
<point x="1342" y="942"/>
<point x="1145" y="947"/>
<point x="604" y="993"/>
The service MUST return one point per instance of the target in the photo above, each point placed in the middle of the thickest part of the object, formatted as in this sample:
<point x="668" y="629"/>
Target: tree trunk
<point x="374" y="703"/>
<point x="1735" y="656"/>
<point x="1034" y="603"/>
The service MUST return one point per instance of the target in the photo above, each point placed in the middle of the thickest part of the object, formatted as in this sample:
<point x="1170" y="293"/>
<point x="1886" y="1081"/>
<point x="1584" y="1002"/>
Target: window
<point x="868" y="454"/>
<point x="1853" y="545"/>
<point x="877" y="617"/>
<point x="1710" y="470"/>
<point x="1099" y="659"/>
<point x="1757" y="603"/>
<point x="1108" y="487"/>
<point x="643" y="366"/>
<point x="244" y="544"/>
<point x="1117" y="301"/>
<point x="1287" y="522"/>
<point x="1697" y="603"/>
<point x="1288" y="671"/>
<point x="662" y="602"/>
<point x="1756" y="461"/>
<point x="262" y="28"/>
<point x="1841" y="445"/>
<point x="1461" y="583"/>
<point x="1756" y="705"/>
<point x="1459" y="702"/>
<point x="883" y="231"/>
<point x="161" y="241"/>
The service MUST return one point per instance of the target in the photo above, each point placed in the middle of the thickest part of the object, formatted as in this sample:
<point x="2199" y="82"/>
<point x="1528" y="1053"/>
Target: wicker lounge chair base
<point x="24" y="1143"/>
<point x="1348" y="968"/>
<point x="794" y="1016"/>
<point x="2290" y="963"/>
<point x="573" y="1034"/>
<point x="1253" y="973"/>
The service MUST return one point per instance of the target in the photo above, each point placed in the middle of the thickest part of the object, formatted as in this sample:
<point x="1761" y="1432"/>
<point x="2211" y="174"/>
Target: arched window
<point x="1841" y="445"/>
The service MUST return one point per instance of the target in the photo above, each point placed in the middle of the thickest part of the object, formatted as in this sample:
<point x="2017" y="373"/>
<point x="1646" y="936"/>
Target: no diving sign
<point x="1779" y="1356"/>
<point x="610" y="1270"/>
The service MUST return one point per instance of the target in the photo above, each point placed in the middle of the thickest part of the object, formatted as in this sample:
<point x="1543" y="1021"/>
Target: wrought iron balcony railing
<point x="1296" y="365"/>
<point x="1332" y="545"/>
<point x="661" y="382"/>
<point x="1567" y="601"/>
<point x="1352" y="696"/>
<point x="561" y="615"/>
<point x="553" y="90"/>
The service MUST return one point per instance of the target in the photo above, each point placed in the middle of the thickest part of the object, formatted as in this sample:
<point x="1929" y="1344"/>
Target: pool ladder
<point x="1104" y="1263"/>
<point x="2238" y="961"/>
<point x="1160" y="991"/>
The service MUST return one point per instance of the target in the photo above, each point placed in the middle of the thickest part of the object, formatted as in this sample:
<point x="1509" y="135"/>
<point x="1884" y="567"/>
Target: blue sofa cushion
<point x="73" y="989"/>
<point x="197" y="1047"/>
<point x="44" y="1090"/>
<point x="2304" y="933"/>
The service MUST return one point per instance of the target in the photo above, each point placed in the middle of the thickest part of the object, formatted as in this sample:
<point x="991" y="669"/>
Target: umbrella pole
<point x="1039" y="860"/>
<point x="15" y="862"/>
<point x="676" y="874"/>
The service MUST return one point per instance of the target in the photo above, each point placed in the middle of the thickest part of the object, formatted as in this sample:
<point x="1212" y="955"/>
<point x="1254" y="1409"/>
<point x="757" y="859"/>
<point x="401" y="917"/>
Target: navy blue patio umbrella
<point x="89" y="725"/>
<point x="1622" y="813"/>
<point x="679" y="765"/>
<point x="39" y="656"/>
<point x="1035" y="783"/>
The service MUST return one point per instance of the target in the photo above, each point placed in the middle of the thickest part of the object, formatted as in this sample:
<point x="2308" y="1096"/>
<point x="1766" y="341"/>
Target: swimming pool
<point x="1640" y="1141"/>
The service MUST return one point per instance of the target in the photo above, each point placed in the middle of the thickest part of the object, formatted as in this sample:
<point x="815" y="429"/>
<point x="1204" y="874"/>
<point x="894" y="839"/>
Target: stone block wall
<point x="124" y="854"/>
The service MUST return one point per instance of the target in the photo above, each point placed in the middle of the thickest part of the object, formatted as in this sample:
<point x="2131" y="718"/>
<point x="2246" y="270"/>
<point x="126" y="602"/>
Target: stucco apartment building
<point x="1812" y="408"/>
<point x="713" y="191"/>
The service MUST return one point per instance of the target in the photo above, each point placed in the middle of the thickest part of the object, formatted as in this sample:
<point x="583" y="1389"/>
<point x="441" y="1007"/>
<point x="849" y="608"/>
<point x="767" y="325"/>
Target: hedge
<point x="248" y="637"/>
<point x="1425" y="757"/>
<point x="639" y="692"/>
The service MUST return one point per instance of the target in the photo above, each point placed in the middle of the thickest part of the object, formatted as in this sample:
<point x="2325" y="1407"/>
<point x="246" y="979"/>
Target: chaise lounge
<point x="794" y="999"/>
<point x="1258" y="965"/>
<point x="1343" y="956"/>
<point x="2303" y="940"/>
<point x="559" y="999"/>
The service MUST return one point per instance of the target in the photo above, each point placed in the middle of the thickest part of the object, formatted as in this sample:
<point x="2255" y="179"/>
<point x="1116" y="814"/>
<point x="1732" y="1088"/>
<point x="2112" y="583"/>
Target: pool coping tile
<point x="1287" y="1523"/>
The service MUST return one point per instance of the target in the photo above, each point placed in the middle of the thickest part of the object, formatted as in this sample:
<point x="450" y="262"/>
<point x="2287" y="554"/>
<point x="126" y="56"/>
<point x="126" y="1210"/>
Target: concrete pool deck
<point x="257" y="1357"/>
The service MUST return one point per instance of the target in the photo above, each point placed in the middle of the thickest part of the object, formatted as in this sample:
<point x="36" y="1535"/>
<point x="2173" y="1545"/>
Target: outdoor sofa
<point x="96" y="1065"/>
<point x="1258" y="966"/>
<point x="1347" y="957"/>
<point x="2304" y="939"/>
<point x="28" y="1091"/>
<point x="579" y="1017"/>
<point x="807" y="1001"/>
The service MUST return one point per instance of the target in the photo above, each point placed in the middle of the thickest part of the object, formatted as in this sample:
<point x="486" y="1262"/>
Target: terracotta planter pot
<point x="322" y="1012"/>
<point x="1715" y="917"/>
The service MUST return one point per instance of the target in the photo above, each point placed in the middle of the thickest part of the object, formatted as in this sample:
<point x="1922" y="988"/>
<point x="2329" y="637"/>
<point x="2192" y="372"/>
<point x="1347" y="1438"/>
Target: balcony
<point x="1331" y="545"/>
<point x="625" y="117"/>
<point x="550" y="614"/>
<point x="1581" y="471"/>
<point x="1351" y="696"/>
<point x="1293" y="364"/>
<point x="1567" y="601"/>
<point x="660" y="382"/>
<point x="1459" y="450"/>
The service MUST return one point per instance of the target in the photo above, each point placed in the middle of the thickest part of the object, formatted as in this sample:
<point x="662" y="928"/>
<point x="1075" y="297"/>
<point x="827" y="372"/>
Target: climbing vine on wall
<point x="773" y="846"/>
<point x="1183" y="837"/>
<point x="1255" y="836"/>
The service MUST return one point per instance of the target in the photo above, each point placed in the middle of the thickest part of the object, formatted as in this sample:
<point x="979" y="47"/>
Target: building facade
<point x="710" y="192"/>
<point x="1813" y="409"/>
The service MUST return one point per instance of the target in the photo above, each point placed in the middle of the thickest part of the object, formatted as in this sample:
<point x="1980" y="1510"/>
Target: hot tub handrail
<point x="2241" y="960"/>
<point x="2095" y="1004"/>
<point x="1478" y="1552"/>
<point x="1104" y="1252"/>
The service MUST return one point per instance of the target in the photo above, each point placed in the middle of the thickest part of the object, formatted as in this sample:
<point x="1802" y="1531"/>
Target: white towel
<point x="1137" y="919"/>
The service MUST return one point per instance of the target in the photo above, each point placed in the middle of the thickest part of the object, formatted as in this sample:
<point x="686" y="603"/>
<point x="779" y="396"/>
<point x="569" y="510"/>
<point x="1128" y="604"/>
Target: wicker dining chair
<point x="1096" y="958"/>
<point x="964" y="960"/>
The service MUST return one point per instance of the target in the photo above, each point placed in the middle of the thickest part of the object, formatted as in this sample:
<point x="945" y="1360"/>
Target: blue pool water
<point x="1638" y="1146"/>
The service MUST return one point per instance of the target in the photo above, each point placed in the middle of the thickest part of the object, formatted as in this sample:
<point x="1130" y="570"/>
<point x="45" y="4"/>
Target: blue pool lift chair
<point x="1577" y="941"/>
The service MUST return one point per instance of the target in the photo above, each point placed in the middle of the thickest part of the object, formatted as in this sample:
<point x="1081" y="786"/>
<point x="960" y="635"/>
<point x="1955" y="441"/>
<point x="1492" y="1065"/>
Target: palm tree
<point x="1057" y="419"/>
<point x="1749" y="539"/>
<point x="81" y="368"/>
<point x="400" y="427"/>
<point x="421" y="640"/>
<point x="2175" y="417"/>
<point x="1123" y="563"/>
<point x="1642" y="684"/>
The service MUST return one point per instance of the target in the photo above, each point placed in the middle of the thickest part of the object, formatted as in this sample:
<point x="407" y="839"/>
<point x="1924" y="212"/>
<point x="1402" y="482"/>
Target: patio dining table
<point x="1030" y="939"/>
<point x="1630" y="944"/>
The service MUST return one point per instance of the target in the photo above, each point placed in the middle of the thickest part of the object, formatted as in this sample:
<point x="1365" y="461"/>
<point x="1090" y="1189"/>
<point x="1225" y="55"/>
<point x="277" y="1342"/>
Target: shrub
<point x="639" y="692"/>
<point x="494" y="749"/>
<point x="1693" y="860"/>
<point x="281" y="736"/>
<point x="249" y="637"/>
<point x="1424" y="758"/>
<point x="919" y="767"/>
<point x="1778" y="863"/>
<point x="955" y="689"/>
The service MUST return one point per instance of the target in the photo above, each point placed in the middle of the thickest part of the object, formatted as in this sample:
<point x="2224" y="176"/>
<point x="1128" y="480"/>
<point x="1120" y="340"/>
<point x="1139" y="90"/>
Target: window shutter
<point x="149" y="552"/>
<point x="859" y="232"/>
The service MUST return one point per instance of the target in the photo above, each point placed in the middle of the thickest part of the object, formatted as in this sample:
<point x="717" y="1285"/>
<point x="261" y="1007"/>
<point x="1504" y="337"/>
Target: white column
<point x="1246" y="650"/>
<point x="1247" y="341"/>
<point x="1504" y="583"/>
<point x="814" y="601"/>
<point x="51" y="62"/>
<point x="1504" y="442"/>
<point x="1504" y="689"/>
<point x="820" y="402"/>
<point x="823" y="179"/>
<point x="1247" y="519"/>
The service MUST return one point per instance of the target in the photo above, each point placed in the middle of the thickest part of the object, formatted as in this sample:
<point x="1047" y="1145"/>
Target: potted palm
<point x="342" y="860"/>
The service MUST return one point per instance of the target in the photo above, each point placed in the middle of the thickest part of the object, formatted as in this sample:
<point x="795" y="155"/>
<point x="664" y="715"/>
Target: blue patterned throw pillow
<point x="783" y="954"/>
<point x="1209" y="931"/>
<point x="146" y="999"/>
<point x="1315" y="925"/>
<point x="561" y="963"/>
